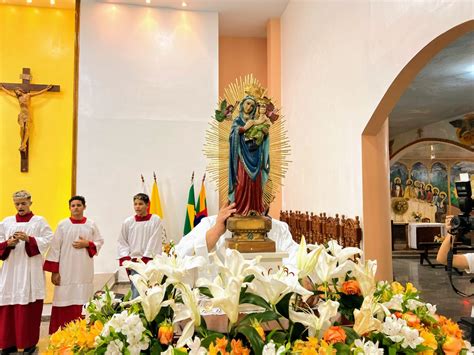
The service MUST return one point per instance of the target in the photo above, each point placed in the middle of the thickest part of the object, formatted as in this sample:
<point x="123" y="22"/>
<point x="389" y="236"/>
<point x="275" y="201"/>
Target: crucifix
<point x="23" y="92"/>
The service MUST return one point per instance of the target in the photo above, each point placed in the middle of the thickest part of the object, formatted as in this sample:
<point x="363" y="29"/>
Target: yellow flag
<point x="155" y="202"/>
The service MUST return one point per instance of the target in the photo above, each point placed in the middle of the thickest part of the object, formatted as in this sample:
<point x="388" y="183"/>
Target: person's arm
<point x="459" y="261"/>
<point x="96" y="243"/>
<point x="36" y="93"/>
<point x="123" y="246"/>
<point x="8" y="92"/>
<point x="155" y="242"/>
<point x="218" y="229"/>
<point x="54" y="254"/>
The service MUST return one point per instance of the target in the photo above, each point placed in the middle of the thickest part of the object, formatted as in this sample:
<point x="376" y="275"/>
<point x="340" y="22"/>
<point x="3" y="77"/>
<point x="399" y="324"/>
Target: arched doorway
<point x="375" y="154"/>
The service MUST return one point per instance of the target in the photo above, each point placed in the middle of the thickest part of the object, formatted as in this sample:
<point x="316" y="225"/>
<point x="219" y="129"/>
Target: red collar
<point x="78" y="221"/>
<point x="142" y="219"/>
<point x="25" y="218"/>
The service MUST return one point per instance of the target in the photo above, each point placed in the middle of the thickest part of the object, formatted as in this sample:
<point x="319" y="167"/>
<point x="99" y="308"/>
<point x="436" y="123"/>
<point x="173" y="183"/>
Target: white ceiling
<point x="441" y="151"/>
<point x="444" y="89"/>
<point x="242" y="18"/>
<point x="237" y="18"/>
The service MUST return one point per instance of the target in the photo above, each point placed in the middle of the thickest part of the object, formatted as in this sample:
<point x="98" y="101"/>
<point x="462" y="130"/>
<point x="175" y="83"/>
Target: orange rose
<point x="411" y="319"/>
<point x="334" y="335"/>
<point x="452" y="346"/>
<point x="351" y="287"/>
<point x="165" y="333"/>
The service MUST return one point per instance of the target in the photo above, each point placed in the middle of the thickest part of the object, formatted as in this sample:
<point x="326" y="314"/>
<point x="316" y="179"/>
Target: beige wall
<point x="239" y="56"/>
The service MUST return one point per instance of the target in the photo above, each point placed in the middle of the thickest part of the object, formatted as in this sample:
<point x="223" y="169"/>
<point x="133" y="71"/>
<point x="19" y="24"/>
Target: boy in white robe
<point x="140" y="237"/>
<point x="70" y="260"/>
<point x="23" y="239"/>
<point x="210" y="235"/>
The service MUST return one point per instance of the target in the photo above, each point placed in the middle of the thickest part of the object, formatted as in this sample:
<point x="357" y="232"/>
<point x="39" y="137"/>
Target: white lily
<point x="275" y="286"/>
<point x="365" y="275"/>
<point x="316" y="325"/>
<point x="151" y="299"/>
<point x="395" y="303"/>
<point x="189" y="309"/>
<point x="235" y="265"/>
<point x="306" y="262"/>
<point x="364" y="318"/>
<point x="195" y="347"/>
<point x="225" y="295"/>
<point x="342" y="254"/>
<point x="176" y="269"/>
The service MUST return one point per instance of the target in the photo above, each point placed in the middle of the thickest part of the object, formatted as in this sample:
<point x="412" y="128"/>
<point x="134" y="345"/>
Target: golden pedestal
<point x="249" y="234"/>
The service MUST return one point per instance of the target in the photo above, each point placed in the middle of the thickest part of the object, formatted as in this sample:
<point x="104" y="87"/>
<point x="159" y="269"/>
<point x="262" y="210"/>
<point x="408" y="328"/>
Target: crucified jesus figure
<point x="24" y="117"/>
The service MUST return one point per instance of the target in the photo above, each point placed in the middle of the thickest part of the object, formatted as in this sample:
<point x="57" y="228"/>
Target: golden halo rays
<point x="216" y="147"/>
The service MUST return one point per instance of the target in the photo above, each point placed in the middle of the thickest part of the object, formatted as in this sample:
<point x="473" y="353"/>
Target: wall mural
<point x="424" y="188"/>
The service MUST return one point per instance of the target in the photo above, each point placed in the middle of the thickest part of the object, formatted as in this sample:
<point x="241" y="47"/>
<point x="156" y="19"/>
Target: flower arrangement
<point x="340" y="310"/>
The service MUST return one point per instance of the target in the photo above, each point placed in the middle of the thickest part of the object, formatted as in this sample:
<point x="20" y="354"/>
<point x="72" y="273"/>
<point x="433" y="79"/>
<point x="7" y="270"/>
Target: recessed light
<point x="148" y="1"/>
<point x="29" y="1"/>
<point x="52" y="2"/>
<point x="184" y="4"/>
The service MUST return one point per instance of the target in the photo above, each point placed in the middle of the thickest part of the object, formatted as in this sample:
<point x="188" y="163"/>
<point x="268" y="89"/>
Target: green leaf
<point x="178" y="352"/>
<point x="249" y="278"/>
<point x="205" y="291"/>
<point x="351" y="334"/>
<point x="278" y="336"/>
<point x="283" y="306"/>
<point x="252" y="298"/>
<point x="155" y="347"/>
<point x="392" y="350"/>
<point x="342" y="348"/>
<point x="212" y="336"/>
<point x="253" y="337"/>
<point x="262" y="317"/>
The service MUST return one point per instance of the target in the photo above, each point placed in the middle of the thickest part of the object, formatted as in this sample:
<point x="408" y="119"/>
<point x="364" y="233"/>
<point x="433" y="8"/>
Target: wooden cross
<point x="23" y="92"/>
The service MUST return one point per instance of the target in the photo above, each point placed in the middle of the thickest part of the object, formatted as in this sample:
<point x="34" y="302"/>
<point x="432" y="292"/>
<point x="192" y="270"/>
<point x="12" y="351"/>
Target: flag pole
<point x="204" y="178"/>
<point x="192" y="178"/>
<point x="154" y="176"/>
<point x="143" y="179"/>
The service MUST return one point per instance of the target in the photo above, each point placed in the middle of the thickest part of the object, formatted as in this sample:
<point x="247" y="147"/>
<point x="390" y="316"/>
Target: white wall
<point x="148" y="84"/>
<point x="338" y="60"/>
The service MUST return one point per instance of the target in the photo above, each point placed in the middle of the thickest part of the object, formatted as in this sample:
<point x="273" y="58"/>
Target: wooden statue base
<point x="249" y="234"/>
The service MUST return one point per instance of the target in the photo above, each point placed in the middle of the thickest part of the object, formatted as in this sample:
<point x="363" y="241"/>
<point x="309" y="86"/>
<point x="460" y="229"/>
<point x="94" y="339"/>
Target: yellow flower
<point x="397" y="288"/>
<point x="429" y="341"/>
<point x="410" y="288"/>
<point x="313" y="342"/>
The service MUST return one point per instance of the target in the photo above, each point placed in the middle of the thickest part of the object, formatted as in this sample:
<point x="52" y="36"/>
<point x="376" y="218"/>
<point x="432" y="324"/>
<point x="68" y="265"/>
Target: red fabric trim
<point x="142" y="218"/>
<point x="31" y="247"/>
<point x="4" y="250"/>
<point x="51" y="266"/>
<point x="123" y="259"/>
<point x="92" y="249"/>
<point x="20" y="325"/>
<point x="78" y="221"/>
<point x="60" y="316"/>
<point x="146" y="259"/>
<point x="25" y="218"/>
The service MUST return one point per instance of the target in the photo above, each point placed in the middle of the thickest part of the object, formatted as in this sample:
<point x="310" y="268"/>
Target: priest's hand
<point x="216" y="231"/>
<point x="21" y="236"/>
<point x="80" y="243"/>
<point x="56" y="278"/>
<point x="225" y="212"/>
<point x="12" y="242"/>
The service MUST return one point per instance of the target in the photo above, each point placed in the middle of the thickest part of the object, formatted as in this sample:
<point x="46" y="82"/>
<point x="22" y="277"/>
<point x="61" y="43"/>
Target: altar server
<point x="23" y="239"/>
<point x="70" y="260"/>
<point x="141" y="235"/>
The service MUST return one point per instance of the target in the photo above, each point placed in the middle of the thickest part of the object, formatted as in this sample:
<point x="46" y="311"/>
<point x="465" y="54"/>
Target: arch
<point x="375" y="155"/>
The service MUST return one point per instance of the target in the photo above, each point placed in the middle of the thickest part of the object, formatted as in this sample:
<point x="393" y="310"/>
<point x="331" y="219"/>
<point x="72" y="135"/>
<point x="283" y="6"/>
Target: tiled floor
<point x="435" y="288"/>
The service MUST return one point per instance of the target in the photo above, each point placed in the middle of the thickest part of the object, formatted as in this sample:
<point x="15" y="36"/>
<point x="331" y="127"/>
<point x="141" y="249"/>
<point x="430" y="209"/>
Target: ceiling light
<point x="29" y="1"/>
<point x="148" y="1"/>
<point x="52" y="2"/>
<point x="183" y="4"/>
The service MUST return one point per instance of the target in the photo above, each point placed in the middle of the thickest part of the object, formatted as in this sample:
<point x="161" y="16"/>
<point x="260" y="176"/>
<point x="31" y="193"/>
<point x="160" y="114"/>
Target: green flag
<point x="190" y="211"/>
